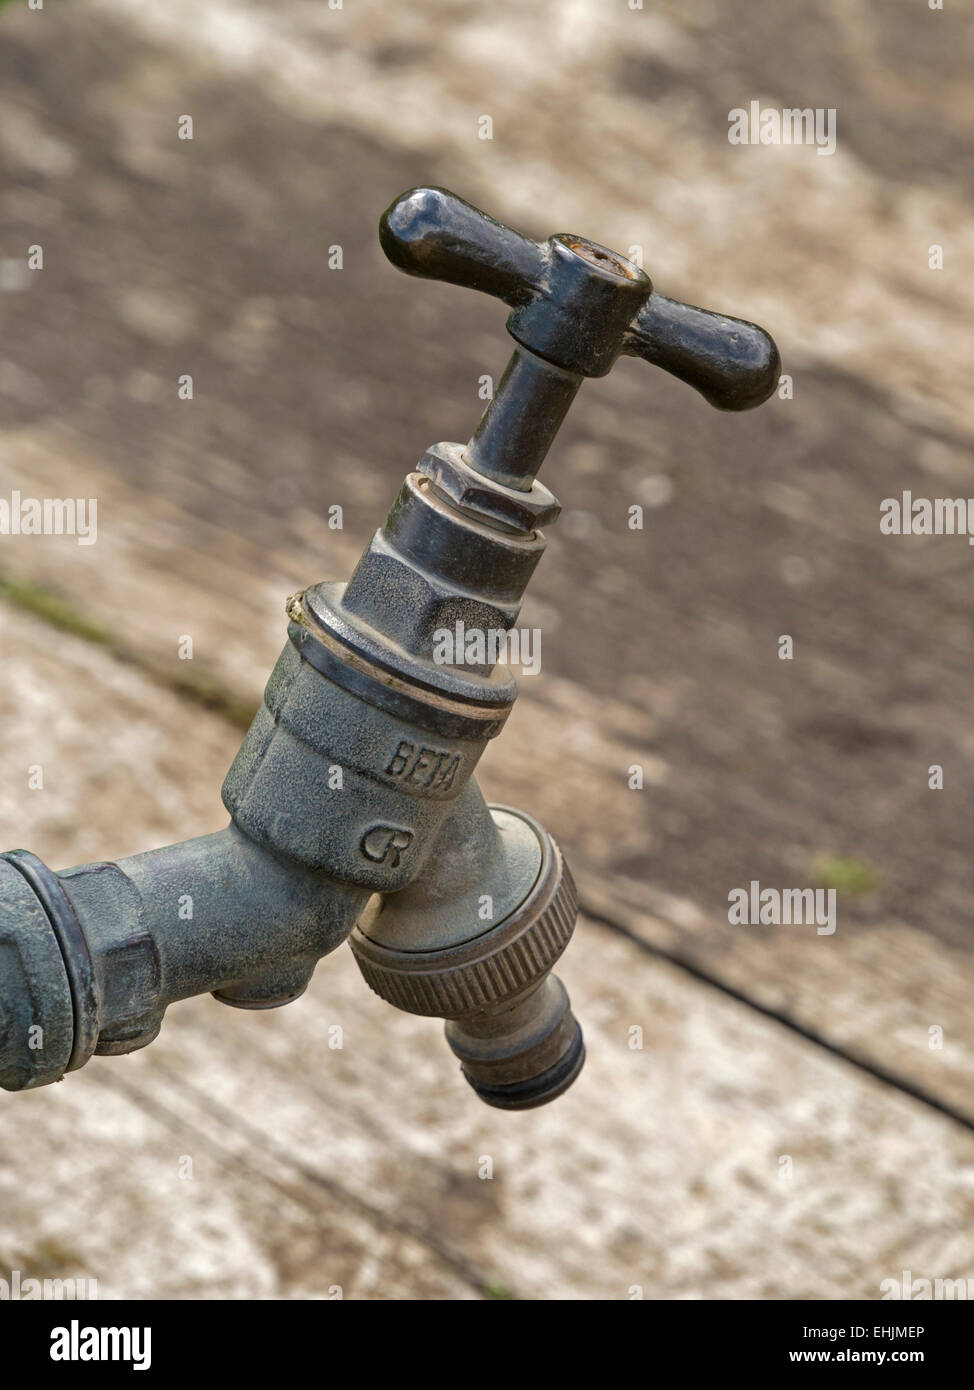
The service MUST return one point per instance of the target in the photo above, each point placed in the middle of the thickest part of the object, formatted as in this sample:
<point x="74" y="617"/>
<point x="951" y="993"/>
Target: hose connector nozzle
<point x="508" y="1019"/>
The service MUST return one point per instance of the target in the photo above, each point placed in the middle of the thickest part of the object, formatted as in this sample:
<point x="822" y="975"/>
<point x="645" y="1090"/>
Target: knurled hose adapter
<point x="525" y="1056"/>
<point x="508" y="1019"/>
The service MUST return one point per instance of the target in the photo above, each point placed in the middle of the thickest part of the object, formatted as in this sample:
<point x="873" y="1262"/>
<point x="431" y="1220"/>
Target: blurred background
<point x="789" y="1126"/>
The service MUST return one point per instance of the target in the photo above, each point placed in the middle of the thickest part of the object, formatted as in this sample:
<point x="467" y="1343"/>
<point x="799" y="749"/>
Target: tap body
<point x="354" y="810"/>
<point x="353" y="786"/>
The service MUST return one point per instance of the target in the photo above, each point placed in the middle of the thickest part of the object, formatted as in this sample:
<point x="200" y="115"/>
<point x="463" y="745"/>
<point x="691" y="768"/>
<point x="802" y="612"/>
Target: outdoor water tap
<point x="354" y="811"/>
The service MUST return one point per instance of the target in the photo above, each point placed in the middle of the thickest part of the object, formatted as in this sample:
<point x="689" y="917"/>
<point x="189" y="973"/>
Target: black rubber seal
<point x="537" y="1090"/>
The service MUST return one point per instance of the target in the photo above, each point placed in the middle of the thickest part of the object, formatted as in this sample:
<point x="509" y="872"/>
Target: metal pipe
<point x="519" y="426"/>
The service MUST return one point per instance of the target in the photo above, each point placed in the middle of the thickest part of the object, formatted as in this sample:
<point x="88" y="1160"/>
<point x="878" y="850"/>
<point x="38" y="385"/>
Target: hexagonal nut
<point x="36" y="1014"/>
<point x="424" y="603"/>
<point x="130" y="971"/>
<point x="446" y="466"/>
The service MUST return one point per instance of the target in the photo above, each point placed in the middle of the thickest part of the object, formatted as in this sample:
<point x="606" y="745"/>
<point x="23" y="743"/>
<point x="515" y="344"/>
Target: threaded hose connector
<point x="509" y="1020"/>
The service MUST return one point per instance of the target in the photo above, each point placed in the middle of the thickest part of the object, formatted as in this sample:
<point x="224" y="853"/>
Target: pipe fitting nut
<point x="446" y="466"/>
<point x="36" y="1011"/>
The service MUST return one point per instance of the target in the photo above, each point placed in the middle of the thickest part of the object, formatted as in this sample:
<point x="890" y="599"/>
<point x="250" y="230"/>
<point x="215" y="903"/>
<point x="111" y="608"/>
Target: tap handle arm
<point x="577" y="304"/>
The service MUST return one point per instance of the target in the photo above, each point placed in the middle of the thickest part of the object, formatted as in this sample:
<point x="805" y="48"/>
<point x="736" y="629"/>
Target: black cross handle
<point x="575" y="306"/>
